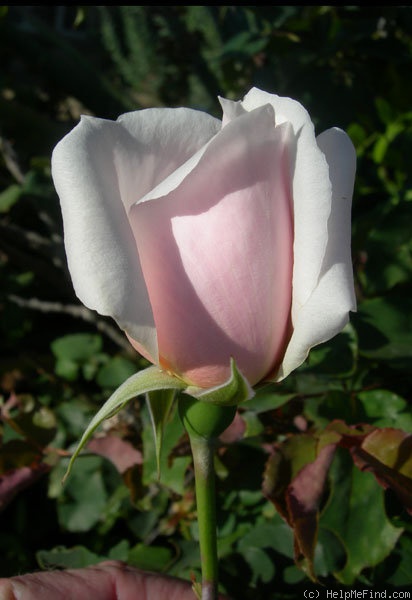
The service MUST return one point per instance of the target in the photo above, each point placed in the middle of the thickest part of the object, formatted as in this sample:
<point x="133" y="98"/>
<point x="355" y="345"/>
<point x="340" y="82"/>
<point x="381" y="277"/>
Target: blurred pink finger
<point x="107" y="581"/>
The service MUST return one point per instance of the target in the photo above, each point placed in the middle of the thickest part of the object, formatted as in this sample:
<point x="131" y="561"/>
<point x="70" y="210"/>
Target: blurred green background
<point x="351" y="67"/>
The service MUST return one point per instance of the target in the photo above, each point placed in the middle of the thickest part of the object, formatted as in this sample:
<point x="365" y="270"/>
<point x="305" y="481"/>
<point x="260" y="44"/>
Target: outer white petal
<point x="311" y="194"/>
<point x="231" y="110"/>
<point x="326" y="312"/>
<point x="160" y="141"/>
<point x="99" y="169"/>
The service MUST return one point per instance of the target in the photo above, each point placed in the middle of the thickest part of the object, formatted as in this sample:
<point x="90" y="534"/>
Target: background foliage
<point x="350" y="66"/>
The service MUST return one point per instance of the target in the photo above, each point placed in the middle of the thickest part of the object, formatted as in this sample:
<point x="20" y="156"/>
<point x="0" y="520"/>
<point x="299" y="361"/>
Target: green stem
<point x="204" y="422"/>
<point x="203" y="458"/>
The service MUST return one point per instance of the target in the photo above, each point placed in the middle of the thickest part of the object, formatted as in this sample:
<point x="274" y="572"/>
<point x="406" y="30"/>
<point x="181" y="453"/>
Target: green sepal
<point x="235" y="390"/>
<point x="143" y="382"/>
<point x="204" y="419"/>
<point x="159" y="403"/>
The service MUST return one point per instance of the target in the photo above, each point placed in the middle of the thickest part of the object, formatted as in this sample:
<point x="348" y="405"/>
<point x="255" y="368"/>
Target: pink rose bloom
<point x="208" y="240"/>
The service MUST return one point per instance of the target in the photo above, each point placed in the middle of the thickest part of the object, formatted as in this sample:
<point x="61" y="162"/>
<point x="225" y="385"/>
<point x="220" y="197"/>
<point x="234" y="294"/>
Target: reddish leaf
<point x="392" y="447"/>
<point x="15" y="481"/>
<point x="294" y="481"/>
<point x="349" y="435"/>
<point x="303" y="498"/>
<point x="387" y="453"/>
<point x="20" y="466"/>
<point x="283" y="465"/>
<point x="295" y="474"/>
<point x="120" y="452"/>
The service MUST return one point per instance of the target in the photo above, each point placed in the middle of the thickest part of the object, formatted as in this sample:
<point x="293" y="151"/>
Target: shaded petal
<point x="99" y="169"/>
<point x="326" y="312"/>
<point x="216" y="253"/>
<point x="160" y="140"/>
<point x="311" y="194"/>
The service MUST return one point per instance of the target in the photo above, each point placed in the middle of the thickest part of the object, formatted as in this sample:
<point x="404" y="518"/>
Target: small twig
<point x="16" y="239"/>
<point x="10" y="160"/>
<point x="74" y="310"/>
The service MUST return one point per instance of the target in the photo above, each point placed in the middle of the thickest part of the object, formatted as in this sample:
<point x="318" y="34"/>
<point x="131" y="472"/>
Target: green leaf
<point x="330" y="553"/>
<point x="143" y="523"/>
<point x="120" y="551"/>
<point x="243" y="44"/>
<point x="234" y="391"/>
<point x="188" y="561"/>
<point x="335" y="404"/>
<point x="293" y="575"/>
<point x="388" y="250"/>
<point x="261" y="565"/>
<point x="84" y="497"/>
<point x="76" y="352"/>
<point x="145" y="381"/>
<point x="384" y="326"/>
<point x="403" y="574"/>
<point x="253" y="425"/>
<point x="380" y="148"/>
<point x="386" y="409"/>
<point x="150" y="558"/>
<point x="267" y="399"/>
<point x="159" y="404"/>
<point x="275" y="534"/>
<point x="385" y="111"/>
<point x="68" y="369"/>
<point x="172" y="470"/>
<point x="66" y="558"/>
<point x="78" y="347"/>
<point x="335" y="357"/>
<point x="9" y="197"/>
<point x="355" y="513"/>
<point x="75" y="415"/>
<point x="115" y="372"/>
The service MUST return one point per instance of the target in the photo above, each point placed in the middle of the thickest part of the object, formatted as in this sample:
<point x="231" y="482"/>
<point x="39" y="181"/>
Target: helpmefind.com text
<point x="356" y="595"/>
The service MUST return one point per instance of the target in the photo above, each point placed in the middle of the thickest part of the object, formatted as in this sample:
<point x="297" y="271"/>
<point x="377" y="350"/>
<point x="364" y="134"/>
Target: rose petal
<point x="231" y="110"/>
<point x="99" y="169"/>
<point x="161" y="140"/>
<point x="311" y="193"/>
<point x="326" y="312"/>
<point x="216" y="255"/>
